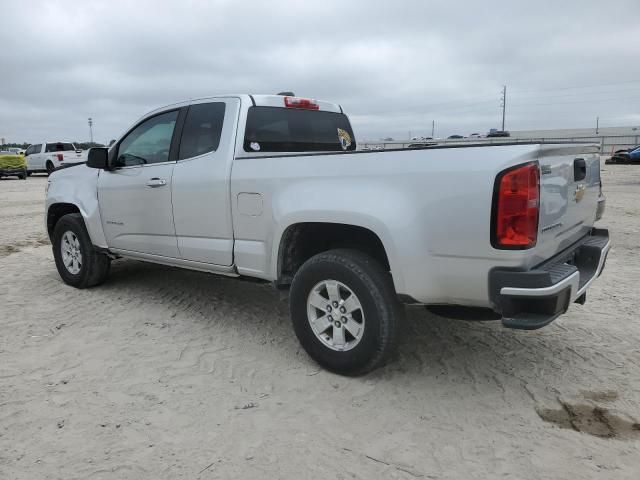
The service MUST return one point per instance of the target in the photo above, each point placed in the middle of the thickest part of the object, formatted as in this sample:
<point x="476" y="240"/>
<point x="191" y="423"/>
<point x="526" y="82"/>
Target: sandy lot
<point x="162" y="373"/>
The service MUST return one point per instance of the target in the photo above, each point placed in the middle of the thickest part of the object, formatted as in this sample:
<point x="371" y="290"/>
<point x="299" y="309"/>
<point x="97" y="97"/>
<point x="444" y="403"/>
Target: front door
<point x="135" y="196"/>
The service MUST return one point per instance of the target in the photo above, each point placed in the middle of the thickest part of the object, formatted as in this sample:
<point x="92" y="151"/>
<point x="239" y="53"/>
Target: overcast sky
<point x="393" y="65"/>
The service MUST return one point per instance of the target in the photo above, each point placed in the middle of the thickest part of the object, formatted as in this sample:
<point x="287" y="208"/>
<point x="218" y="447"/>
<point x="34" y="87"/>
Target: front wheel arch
<point x="94" y="265"/>
<point x="56" y="211"/>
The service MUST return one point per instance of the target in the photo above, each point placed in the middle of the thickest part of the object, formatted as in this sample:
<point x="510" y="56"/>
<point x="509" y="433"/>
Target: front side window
<point x="202" y="129"/>
<point x="36" y="148"/>
<point x="29" y="150"/>
<point x="59" y="147"/>
<point x="149" y="142"/>
<point x="275" y="129"/>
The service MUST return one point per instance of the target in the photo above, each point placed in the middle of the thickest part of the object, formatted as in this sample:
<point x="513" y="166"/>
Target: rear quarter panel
<point x="430" y="208"/>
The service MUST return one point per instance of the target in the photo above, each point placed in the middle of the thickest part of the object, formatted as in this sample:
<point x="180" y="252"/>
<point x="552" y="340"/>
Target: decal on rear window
<point x="345" y="138"/>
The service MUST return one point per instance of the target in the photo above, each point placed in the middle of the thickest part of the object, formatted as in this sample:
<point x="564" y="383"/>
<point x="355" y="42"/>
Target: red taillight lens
<point x="60" y="157"/>
<point x="517" y="207"/>
<point x="305" y="103"/>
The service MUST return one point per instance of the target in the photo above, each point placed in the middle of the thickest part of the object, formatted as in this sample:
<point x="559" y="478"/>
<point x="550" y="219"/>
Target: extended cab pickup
<point x="273" y="187"/>
<point x="46" y="157"/>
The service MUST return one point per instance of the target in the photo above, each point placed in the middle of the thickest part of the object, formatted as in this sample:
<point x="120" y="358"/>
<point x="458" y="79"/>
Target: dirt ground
<point x="162" y="373"/>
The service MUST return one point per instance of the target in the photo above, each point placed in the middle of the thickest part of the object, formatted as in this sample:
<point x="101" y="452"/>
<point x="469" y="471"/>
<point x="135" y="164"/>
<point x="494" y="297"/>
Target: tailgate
<point x="73" y="156"/>
<point x="569" y="192"/>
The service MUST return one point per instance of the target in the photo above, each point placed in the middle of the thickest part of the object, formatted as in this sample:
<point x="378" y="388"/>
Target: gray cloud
<point x="394" y="66"/>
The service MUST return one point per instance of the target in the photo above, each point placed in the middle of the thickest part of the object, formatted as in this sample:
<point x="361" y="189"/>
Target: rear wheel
<point x="50" y="168"/>
<point x="77" y="261"/>
<point x="345" y="311"/>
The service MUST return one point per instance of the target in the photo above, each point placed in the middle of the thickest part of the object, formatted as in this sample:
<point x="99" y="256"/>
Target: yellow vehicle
<point x="12" y="164"/>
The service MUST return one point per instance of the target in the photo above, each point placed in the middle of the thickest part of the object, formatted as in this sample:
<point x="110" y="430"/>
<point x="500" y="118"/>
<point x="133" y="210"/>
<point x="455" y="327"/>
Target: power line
<point x="578" y="94"/>
<point x="595" y="100"/>
<point x="577" y="86"/>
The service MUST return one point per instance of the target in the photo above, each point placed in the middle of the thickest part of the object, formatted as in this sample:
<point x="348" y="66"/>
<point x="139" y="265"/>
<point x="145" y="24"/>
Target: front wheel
<point x="345" y="311"/>
<point x="77" y="261"/>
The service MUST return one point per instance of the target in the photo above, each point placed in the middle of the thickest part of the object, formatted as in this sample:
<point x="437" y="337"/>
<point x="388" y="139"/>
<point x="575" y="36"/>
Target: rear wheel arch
<point x="301" y="241"/>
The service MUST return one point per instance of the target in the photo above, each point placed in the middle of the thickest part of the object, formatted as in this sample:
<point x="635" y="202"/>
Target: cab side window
<point x="202" y="129"/>
<point x="149" y="142"/>
<point x="33" y="149"/>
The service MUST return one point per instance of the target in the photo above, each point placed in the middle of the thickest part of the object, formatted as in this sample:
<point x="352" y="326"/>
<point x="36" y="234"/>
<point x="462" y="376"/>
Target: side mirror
<point x="98" y="158"/>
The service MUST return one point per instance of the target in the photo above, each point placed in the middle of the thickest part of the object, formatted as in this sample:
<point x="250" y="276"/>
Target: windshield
<point x="275" y="129"/>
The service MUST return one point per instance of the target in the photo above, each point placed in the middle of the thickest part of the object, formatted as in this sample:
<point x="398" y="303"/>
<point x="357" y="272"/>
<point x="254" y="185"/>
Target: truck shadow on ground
<point x="429" y="345"/>
<point x="467" y="358"/>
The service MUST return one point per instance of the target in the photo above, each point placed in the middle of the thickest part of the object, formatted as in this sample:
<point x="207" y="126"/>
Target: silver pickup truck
<point x="273" y="187"/>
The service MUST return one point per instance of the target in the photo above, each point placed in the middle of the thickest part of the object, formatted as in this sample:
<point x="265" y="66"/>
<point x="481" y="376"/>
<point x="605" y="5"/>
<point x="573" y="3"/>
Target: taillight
<point x="297" y="102"/>
<point x="60" y="157"/>
<point x="516" y="207"/>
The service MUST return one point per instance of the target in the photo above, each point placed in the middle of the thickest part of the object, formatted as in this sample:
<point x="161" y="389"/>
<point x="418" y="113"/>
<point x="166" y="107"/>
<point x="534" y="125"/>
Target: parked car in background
<point x="498" y="133"/>
<point x="629" y="155"/>
<point x="15" y="150"/>
<point x="48" y="156"/>
<point x="274" y="188"/>
<point x="476" y="135"/>
<point x="421" y="145"/>
<point x="420" y="139"/>
<point x="455" y="137"/>
<point x="12" y="164"/>
<point x="634" y="155"/>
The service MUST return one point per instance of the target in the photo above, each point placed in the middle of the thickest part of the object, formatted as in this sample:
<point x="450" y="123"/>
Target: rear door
<point x="569" y="188"/>
<point x="135" y="197"/>
<point x="201" y="182"/>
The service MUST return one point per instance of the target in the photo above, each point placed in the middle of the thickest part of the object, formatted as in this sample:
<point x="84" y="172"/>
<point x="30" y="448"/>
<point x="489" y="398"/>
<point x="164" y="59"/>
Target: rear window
<point x="59" y="147"/>
<point x="275" y="129"/>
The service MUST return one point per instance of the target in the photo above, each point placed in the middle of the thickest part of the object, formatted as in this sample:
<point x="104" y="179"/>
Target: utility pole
<point x="504" y="103"/>
<point x="597" y="124"/>
<point x="91" y="128"/>
<point x="433" y="128"/>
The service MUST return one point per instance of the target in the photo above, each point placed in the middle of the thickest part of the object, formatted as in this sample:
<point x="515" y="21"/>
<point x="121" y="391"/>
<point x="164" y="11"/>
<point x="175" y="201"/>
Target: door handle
<point x="579" y="169"/>
<point x="156" y="182"/>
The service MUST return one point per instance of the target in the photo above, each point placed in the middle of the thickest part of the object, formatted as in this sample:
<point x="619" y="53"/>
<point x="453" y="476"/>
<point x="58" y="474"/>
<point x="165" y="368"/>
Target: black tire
<point x="95" y="265"/>
<point x="23" y="175"/>
<point x="373" y="286"/>
<point x="29" y="173"/>
<point x="50" y="168"/>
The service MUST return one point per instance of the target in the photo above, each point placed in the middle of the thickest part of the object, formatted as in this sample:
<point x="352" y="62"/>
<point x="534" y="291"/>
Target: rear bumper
<point x="532" y="299"/>
<point x="6" y="172"/>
